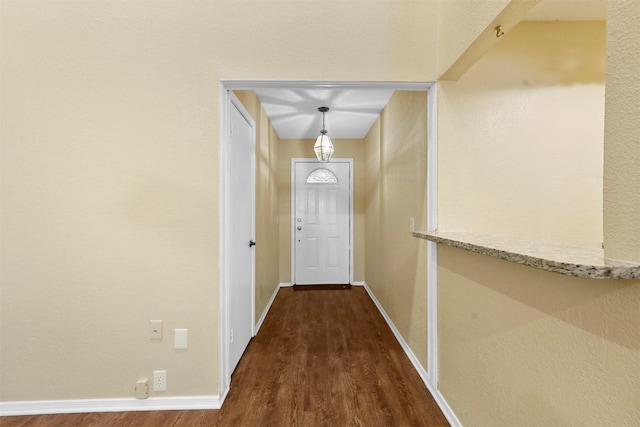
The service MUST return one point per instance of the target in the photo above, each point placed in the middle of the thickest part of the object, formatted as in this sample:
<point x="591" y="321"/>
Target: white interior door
<point x="241" y="159"/>
<point x="321" y="224"/>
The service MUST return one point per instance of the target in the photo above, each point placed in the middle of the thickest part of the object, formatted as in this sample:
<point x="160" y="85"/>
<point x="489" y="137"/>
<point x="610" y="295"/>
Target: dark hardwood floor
<point x="321" y="358"/>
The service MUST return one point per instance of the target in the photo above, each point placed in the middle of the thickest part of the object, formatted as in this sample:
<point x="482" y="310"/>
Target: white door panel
<point x="322" y="223"/>
<point x="241" y="229"/>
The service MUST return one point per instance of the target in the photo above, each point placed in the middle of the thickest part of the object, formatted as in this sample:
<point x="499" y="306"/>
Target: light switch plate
<point x="180" y="340"/>
<point x="155" y="329"/>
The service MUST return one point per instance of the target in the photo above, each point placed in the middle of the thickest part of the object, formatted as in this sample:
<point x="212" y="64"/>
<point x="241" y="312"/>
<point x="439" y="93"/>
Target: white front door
<point x="321" y="224"/>
<point x="241" y="155"/>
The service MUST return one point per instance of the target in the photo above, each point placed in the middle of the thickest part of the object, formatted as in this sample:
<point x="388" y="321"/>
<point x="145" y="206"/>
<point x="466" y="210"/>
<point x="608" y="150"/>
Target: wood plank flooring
<point x="321" y="358"/>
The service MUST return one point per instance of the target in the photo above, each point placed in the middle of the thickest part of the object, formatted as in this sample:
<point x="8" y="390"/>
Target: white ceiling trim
<point x="235" y="84"/>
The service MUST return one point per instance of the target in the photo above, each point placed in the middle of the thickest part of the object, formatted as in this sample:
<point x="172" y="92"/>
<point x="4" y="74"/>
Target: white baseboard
<point x="266" y="309"/>
<point x="223" y="396"/>
<point x="412" y="357"/>
<point x="442" y="403"/>
<point x="358" y="284"/>
<point x="285" y="285"/>
<point x="109" y="405"/>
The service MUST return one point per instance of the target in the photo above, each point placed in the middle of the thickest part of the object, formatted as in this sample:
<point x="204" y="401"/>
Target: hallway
<point x="327" y="357"/>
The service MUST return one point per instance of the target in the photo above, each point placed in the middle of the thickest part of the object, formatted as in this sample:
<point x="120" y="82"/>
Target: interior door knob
<point x="251" y="243"/>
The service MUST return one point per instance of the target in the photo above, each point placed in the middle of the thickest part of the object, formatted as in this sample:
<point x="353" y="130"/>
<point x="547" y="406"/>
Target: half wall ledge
<point x="578" y="262"/>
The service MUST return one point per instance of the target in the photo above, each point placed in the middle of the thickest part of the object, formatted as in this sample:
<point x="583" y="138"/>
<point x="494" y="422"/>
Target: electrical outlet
<point x="159" y="380"/>
<point x="142" y="388"/>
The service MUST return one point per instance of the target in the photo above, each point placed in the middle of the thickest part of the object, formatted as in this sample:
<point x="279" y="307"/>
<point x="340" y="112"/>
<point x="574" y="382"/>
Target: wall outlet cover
<point x="159" y="380"/>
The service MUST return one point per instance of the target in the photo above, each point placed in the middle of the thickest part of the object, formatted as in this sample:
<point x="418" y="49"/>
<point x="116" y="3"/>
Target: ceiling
<point x="569" y="10"/>
<point x="293" y="110"/>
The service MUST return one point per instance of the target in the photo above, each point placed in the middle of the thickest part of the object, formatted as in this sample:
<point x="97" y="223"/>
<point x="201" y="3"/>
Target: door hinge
<point x="231" y="335"/>
<point x="231" y="129"/>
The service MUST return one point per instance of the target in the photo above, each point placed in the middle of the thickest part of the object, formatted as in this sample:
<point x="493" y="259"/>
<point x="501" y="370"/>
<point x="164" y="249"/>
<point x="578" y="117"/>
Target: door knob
<point x="251" y="243"/>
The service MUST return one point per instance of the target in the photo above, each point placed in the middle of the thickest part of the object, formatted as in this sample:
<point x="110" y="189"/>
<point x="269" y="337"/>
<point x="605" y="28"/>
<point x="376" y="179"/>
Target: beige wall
<point x="622" y="132"/>
<point x="520" y="346"/>
<point x="521" y="136"/>
<point x="267" y="236"/>
<point x="303" y="148"/>
<point x="110" y="132"/>
<point x="395" y="261"/>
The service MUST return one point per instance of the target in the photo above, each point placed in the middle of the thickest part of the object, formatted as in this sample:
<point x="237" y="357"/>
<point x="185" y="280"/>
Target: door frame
<point x="293" y="211"/>
<point x="226" y="187"/>
<point x="227" y="85"/>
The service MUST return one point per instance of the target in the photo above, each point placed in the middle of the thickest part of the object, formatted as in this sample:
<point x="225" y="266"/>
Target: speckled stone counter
<point x="589" y="263"/>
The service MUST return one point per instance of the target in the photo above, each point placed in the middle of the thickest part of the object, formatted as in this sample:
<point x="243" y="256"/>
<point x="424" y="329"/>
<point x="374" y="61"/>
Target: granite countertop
<point x="578" y="262"/>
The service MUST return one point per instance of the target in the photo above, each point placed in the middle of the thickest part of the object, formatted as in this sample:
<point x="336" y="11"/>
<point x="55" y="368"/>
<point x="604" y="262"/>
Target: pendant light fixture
<point x="323" y="146"/>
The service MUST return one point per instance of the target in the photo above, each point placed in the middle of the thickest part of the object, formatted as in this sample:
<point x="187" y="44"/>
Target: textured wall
<point x="396" y="176"/>
<point x="622" y="132"/>
<point x="110" y="115"/>
<point x="303" y="148"/>
<point x="521" y="135"/>
<point x="524" y="347"/>
<point x="460" y="22"/>
<point x="267" y="236"/>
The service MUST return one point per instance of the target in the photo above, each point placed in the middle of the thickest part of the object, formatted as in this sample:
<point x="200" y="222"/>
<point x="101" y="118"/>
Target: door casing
<point x="227" y="85"/>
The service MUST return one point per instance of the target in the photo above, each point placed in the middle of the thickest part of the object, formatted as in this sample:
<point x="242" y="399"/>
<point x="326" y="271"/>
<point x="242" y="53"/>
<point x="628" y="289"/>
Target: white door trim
<point x="226" y="98"/>
<point x="432" y="225"/>
<point x="242" y="84"/>
<point x="293" y="212"/>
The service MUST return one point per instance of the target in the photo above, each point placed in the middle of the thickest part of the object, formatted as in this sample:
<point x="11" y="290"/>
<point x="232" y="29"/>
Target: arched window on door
<point x="322" y="176"/>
